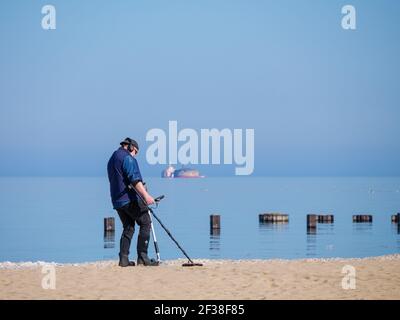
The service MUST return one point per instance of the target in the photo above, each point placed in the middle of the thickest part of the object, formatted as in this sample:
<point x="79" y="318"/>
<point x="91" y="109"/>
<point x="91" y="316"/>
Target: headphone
<point x="131" y="147"/>
<point x="132" y="144"/>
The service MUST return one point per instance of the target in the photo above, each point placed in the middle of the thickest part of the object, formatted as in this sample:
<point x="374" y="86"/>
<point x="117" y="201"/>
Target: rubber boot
<point x="144" y="260"/>
<point x="124" y="261"/>
<point x="143" y="245"/>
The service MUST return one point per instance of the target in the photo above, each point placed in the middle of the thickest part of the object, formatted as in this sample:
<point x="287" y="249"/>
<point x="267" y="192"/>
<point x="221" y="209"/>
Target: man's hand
<point x="140" y="188"/>
<point x="149" y="200"/>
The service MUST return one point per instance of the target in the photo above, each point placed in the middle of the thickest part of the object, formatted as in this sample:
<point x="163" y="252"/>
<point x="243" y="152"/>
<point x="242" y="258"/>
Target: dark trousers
<point x="130" y="214"/>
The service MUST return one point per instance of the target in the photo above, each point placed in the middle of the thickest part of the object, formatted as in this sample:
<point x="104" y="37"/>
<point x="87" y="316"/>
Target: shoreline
<point x="9" y="265"/>
<point x="310" y="278"/>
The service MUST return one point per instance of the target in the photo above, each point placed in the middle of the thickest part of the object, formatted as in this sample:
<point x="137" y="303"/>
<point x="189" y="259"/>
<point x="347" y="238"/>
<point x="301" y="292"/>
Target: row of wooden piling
<point x="215" y="223"/>
<point x="312" y="220"/>
<point x="273" y="217"/>
<point x="362" y="218"/>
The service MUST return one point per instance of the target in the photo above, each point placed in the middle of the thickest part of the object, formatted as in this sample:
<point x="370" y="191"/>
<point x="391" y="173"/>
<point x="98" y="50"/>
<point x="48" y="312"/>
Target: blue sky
<point x="322" y="100"/>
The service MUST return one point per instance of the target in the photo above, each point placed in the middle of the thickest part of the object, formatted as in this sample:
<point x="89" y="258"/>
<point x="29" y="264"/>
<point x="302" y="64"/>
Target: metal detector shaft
<point x="154" y="238"/>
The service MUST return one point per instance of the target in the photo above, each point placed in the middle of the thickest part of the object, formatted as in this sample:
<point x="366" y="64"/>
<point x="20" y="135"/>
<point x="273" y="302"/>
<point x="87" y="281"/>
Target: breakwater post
<point x="360" y="218"/>
<point x="273" y="218"/>
<point x="215" y="224"/>
<point x="109" y="224"/>
<point x="325" y="218"/>
<point x="312" y="220"/>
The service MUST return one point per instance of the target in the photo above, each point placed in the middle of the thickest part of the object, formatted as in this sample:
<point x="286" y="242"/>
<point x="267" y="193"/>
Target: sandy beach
<point x="376" y="278"/>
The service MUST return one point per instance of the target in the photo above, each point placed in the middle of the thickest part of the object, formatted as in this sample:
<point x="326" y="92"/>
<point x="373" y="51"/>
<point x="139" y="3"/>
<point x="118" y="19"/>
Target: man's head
<point x="130" y="145"/>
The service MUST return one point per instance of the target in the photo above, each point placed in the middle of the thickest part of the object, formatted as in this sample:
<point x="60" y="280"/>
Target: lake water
<point x="61" y="219"/>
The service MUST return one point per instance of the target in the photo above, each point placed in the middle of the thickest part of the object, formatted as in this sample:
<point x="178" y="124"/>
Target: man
<point x="123" y="170"/>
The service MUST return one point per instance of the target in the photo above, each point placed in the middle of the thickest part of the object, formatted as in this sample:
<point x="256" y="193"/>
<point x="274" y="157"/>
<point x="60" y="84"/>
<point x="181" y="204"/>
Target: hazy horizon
<point x="323" y="101"/>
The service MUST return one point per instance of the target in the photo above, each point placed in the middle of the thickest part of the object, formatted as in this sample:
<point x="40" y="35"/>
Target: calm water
<point x="61" y="219"/>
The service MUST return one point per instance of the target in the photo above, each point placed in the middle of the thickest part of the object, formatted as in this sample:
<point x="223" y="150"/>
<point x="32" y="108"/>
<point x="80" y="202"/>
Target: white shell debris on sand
<point x="25" y="265"/>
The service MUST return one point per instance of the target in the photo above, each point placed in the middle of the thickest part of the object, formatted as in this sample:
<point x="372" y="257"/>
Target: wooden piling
<point x="109" y="224"/>
<point x="325" y="218"/>
<point x="312" y="220"/>
<point x="362" y="218"/>
<point x="215" y="221"/>
<point x="273" y="218"/>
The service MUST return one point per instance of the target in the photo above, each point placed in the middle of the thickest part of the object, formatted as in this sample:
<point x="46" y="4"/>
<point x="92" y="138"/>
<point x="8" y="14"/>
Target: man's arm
<point x="139" y="187"/>
<point x="131" y="169"/>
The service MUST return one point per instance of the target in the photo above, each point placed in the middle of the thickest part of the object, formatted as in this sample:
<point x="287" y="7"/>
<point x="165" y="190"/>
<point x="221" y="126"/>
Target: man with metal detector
<point x="123" y="174"/>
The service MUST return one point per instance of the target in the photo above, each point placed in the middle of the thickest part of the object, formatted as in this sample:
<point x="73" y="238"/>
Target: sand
<point x="376" y="278"/>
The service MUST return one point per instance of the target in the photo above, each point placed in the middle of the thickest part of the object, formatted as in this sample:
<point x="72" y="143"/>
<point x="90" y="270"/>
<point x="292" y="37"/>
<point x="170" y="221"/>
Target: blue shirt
<point x="122" y="169"/>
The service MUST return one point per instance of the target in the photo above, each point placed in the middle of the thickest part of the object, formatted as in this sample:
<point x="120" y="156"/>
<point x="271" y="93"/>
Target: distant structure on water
<point x="171" y="172"/>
